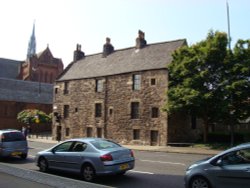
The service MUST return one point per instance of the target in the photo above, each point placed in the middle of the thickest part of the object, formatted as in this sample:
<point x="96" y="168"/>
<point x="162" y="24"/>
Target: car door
<point x="234" y="170"/>
<point x="58" y="158"/>
<point x="75" y="156"/>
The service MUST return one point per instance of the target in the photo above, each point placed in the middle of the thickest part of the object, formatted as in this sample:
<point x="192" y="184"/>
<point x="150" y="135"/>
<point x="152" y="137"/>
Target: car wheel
<point x="24" y="156"/>
<point x="199" y="182"/>
<point x="88" y="173"/>
<point x="43" y="165"/>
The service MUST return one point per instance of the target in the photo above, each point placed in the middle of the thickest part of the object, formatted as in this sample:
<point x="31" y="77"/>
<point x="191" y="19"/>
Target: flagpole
<point x="228" y="27"/>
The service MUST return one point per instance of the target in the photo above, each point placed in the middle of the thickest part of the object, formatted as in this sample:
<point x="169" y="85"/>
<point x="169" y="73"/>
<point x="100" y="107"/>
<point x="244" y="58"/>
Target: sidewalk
<point x="168" y="149"/>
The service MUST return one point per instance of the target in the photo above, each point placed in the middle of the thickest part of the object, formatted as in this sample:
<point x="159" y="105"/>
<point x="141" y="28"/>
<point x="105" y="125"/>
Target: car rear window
<point x="12" y="137"/>
<point x="105" y="144"/>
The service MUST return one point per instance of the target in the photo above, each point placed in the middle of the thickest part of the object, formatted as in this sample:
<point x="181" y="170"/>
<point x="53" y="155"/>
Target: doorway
<point x="153" y="138"/>
<point x="59" y="133"/>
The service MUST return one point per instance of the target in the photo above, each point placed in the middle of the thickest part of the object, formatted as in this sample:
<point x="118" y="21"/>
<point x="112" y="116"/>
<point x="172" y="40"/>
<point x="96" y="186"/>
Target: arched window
<point x="46" y="77"/>
<point x="41" y="76"/>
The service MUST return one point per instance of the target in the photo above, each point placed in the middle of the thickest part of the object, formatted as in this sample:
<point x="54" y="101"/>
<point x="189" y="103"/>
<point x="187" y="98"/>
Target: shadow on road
<point x="16" y="160"/>
<point x="131" y="179"/>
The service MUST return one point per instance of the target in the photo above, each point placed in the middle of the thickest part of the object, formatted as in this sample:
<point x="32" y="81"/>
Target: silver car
<point x="89" y="156"/>
<point x="229" y="169"/>
<point x="13" y="143"/>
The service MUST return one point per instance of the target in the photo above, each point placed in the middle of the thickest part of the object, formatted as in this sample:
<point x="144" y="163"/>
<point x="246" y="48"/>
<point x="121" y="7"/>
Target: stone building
<point x="118" y="94"/>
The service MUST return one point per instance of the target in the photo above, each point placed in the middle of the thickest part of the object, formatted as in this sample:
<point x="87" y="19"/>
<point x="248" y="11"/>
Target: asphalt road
<point x="152" y="169"/>
<point x="11" y="181"/>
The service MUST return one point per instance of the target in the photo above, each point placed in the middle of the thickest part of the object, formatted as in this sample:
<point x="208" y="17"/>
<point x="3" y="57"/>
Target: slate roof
<point x="9" y="68"/>
<point x="151" y="57"/>
<point x="25" y="91"/>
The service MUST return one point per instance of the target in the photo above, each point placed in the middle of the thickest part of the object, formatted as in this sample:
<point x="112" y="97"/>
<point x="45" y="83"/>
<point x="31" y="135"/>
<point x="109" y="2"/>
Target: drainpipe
<point x="106" y="107"/>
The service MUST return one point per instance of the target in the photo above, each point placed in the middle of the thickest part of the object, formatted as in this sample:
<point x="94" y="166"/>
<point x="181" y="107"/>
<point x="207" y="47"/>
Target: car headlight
<point x="191" y="166"/>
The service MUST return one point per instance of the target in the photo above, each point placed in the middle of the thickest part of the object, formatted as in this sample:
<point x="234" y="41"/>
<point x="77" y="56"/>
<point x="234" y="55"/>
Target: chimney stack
<point x="107" y="48"/>
<point x="140" y="40"/>
<point x="78" y="54"/>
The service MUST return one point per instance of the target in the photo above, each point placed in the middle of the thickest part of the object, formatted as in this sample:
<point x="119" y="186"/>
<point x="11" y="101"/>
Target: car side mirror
<point x="219" y="162"/>
<point x="53" y="151"/>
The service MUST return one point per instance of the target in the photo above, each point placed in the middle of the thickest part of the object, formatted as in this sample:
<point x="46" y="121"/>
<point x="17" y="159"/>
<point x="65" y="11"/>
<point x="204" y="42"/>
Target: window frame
<point x="136" y="82"/>
<point x="136" y="134"/>
<point x="98" y="110"/>
<point x="99" y="85"/>
<point x="66" y="111"/>
<point x="155" y="112"/>
<point x="135" y="110"/>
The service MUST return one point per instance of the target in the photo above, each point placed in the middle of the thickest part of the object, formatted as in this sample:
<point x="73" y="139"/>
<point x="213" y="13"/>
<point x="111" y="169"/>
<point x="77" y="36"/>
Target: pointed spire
<point x="32" y="43"/>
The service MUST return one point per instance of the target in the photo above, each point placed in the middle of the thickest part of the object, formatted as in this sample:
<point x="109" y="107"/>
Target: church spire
<point x="32" y="44"/>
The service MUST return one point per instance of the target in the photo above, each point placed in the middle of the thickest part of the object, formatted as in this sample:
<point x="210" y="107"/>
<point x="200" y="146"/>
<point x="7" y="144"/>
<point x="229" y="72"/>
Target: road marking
<point x="141" y="172"/>
<point x="163" y="162"/>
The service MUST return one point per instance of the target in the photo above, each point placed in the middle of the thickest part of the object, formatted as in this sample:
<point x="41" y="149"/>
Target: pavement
<point x="169" y="149"/>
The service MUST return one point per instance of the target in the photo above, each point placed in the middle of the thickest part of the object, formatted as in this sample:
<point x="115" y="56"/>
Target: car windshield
<point x="104" y="144"/>
<point x="13" y="136"/>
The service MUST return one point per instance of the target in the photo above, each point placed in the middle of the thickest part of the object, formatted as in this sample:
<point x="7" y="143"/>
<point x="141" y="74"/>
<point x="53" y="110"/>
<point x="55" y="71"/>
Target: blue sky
<point x="62" y="24"/>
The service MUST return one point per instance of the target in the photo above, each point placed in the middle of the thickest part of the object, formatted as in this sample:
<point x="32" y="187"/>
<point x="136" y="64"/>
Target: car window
<point x="12" y="137"/>
<point x="237" y="157"/>
<point x="79" y="147"/>
<point x="105" y="144"/>
<point x="64" y="147"/>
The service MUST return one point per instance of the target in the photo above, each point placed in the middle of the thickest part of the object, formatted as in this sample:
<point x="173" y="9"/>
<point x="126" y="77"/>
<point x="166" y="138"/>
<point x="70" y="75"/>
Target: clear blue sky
<point x="64" y="23"/>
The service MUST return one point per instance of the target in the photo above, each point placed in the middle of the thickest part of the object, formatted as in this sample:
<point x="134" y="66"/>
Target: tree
<point x="236" y="84"/>
<point x="204" y="79"/>
<point x="33" y="116"/>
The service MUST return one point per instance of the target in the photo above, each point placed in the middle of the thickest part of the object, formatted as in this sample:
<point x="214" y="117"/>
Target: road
<point x="13" y="181"/>
<point x="152" y="169"/>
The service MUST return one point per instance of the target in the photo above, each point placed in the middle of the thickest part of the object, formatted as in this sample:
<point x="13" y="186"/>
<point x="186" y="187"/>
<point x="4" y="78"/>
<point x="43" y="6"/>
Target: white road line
<point x="141" y="172"/>
<point x="163" y="162"/>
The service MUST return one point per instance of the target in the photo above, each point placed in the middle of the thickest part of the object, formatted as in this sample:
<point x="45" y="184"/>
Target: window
<point x="136" y="134"/>
<point x="79" y="147"/>
<point x="89" y="131"/>
<point x="153" y="81"/>
<point x="237" y="157"/>
<point x="66" y="111"/>
<point x="134" y="110"/>
<point x="56" y="90"/>
<point x="99" y="85"/>
<point x="64" y="147"/>
<point x="67" y="132"/>
<point x="155" y="112"/>
<point x="66" y="88"/>
<point x="136" y="82"/>
<point x="51" y="78"/>
<point x="111" y="111"/>
<point x="98" y="110"/>
<point x="76" y="109"/>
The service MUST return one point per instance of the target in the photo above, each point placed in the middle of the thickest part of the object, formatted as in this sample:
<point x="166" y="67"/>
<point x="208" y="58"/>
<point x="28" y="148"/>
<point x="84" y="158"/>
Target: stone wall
<point x="116" y="97"/>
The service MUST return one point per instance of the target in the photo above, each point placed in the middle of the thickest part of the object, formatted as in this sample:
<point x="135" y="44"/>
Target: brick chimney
<point x="140" y="41"/>
<point x="107" y="48"/>
<point x="78" y="54"/>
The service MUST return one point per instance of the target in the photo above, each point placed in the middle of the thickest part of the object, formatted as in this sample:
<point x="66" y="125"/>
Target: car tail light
<point x="107" y="157"/>
<point x="132" y="153"/>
